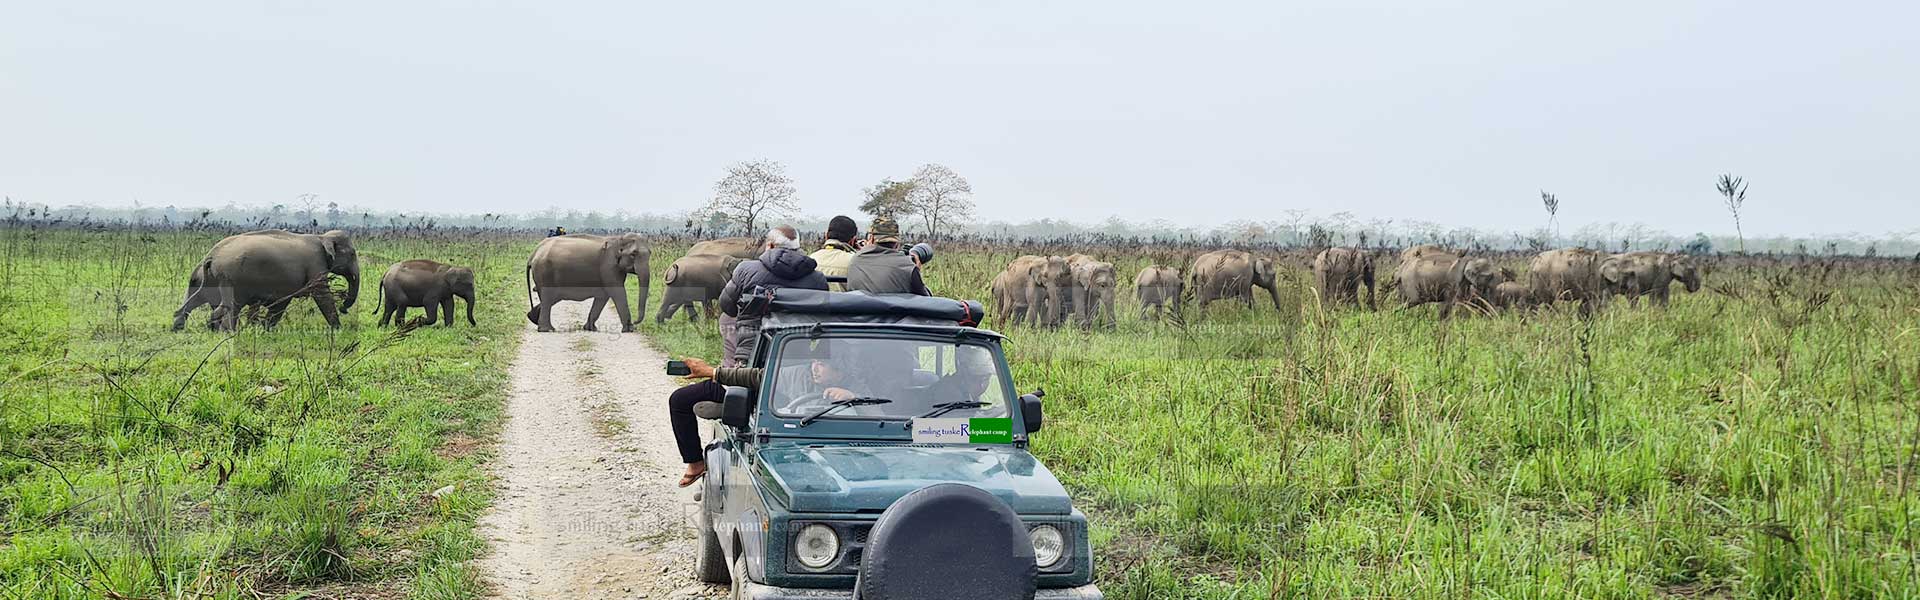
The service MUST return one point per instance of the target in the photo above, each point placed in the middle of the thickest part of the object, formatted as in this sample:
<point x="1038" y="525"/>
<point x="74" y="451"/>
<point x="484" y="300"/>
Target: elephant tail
<point x="532" y="312"/>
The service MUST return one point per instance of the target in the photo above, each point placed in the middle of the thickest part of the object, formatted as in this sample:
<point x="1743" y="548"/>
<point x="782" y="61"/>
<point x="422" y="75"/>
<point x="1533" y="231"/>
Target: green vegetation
<point x="1749" y="442"/>
<point x="140" y="463"/>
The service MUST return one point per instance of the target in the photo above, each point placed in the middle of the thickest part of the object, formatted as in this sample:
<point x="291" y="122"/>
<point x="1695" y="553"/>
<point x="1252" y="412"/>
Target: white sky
<point x="1455" y="112"/>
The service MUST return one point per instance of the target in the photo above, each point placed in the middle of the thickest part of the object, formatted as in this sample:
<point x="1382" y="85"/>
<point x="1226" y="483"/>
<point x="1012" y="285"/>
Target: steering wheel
<point x="808" y="402"/>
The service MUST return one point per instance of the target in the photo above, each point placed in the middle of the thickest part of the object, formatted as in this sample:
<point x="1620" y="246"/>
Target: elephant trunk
<point x="642" y="270"/>
<point x="353" y="286"/>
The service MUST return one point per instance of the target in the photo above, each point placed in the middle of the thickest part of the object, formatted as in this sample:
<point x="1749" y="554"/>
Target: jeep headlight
<point x="816" y="546"/>
<point x="1048" y="545"/>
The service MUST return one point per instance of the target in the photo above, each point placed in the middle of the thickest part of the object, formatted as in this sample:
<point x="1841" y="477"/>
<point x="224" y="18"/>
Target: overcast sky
<point x="1457" y="113"/>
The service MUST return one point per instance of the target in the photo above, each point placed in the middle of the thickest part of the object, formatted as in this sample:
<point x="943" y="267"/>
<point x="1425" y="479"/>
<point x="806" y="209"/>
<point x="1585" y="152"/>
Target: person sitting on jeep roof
<point x="882" y="267"/>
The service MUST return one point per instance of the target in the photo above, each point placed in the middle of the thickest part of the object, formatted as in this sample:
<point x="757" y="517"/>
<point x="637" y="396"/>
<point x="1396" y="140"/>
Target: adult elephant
<point x="270" y="268"/>
<point x="1568" y="274"/>
<point x="1232" y="274"/>
<point x="1446" y="279"/>
<point x="424" y="284"/>
<point x="743" y="248"/>
<point x="693" y="282"/>
<point x="1340" y="272"/>
<point x="1648" y="273"/>
<point x="1034" y="289"/>
<point x="1093" y="285"/>
<point x="588" y="267"/>
<point x="1158" y="288"/>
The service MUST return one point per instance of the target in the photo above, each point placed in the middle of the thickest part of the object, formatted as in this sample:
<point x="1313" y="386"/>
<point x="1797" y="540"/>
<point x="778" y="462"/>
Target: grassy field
<point x="1746" y="443"/>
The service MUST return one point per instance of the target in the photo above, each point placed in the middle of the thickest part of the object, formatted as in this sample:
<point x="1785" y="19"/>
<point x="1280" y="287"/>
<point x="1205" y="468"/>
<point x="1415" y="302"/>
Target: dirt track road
<point x="586" y="466"/>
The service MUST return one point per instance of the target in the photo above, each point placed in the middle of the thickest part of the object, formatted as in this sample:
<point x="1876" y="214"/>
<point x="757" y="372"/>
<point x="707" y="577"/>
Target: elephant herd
<point x="1433" y="274"/>
<point x="270" y="268"/>
<point x="1055" y="290"/>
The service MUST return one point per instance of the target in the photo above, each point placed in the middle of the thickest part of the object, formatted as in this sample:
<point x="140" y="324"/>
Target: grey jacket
<point x="881" y="270"/>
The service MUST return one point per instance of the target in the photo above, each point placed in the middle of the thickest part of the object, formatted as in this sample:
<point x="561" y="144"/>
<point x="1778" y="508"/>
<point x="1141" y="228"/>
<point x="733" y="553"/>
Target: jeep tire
<point x="711" y="564"/>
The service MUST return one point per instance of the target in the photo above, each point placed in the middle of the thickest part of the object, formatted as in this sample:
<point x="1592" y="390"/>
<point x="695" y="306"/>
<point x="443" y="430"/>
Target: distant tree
<point x="752" y="190"/>
<point x="1733" y="191"/>
<point x="1552" y="204"/>
<point x="888" y="199"/>
<point x="1700" y="246"/>
<point x="941" y="198"/>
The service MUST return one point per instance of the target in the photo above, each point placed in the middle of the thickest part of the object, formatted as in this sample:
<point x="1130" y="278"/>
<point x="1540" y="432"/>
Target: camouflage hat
<point x="884" y="229"/>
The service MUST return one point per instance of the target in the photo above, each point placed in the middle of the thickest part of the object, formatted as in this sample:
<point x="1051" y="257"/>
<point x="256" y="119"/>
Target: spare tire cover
<point x="947" y="541"/>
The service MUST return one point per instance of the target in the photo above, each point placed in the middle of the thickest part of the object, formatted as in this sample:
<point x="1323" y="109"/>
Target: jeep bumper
<point x="756" y="591"/>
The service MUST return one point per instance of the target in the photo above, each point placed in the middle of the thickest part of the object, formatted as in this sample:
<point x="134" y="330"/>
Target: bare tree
<point x="751" y="190"/>
<point x="1733" y="191"/>
<point x="941" y="198"/>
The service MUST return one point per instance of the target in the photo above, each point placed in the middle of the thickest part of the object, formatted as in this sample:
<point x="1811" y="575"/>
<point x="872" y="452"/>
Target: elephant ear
<point x="335" y="244"/>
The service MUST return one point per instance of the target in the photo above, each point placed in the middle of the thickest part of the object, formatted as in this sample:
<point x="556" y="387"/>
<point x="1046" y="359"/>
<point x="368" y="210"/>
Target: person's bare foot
<point x="694" y="472"/>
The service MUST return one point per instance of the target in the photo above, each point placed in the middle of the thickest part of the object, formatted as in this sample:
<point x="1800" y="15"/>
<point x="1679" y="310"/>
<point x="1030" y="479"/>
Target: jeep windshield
<point x="884" y="378"/>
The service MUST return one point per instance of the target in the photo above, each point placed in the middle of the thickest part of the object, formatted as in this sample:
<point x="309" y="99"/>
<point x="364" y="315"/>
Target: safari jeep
<point x="883" y="456"/>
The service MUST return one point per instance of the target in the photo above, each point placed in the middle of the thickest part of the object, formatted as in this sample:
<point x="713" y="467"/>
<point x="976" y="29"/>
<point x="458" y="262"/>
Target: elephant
<point x="743" y="248"/>
<point x="1569" y="274"/>
<point x="1034" y="289"/>
<point x="1446" y="279"/>
<point x="1158" y="288"/>
<point x="588" y="267"/>
<point x="425" y="284"/>
<point x="693" y="282"/>
<point x="1651" y="273"/>
<point x="1093" y="285"/>
<point x="1232" y="274"/>
<point x="1340" y="272"/>
<point x="1511" y="294"/>
<point x="270" y="268"/>
<point x="1423" y="250"/>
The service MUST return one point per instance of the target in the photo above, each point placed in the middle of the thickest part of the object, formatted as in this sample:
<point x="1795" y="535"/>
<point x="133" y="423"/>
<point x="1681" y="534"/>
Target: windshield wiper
<point x="947" y="407"/>
<point x="839" y="404"/>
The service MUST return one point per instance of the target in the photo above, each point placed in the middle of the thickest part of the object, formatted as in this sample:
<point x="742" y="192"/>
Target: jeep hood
<point x="846" y="479"/>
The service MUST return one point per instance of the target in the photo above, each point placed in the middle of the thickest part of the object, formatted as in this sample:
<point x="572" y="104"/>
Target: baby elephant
<point x="426" y="284"/>
<point x="694" y="281"/>
<point x="1158" y="289"/>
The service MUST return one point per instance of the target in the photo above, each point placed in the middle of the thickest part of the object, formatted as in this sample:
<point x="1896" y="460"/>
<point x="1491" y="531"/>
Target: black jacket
<point x="776" y="268"/>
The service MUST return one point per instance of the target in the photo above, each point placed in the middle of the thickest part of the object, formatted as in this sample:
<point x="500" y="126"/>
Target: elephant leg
<point x="433" y="312"/>
<point x="399" y="315"/>
<point x="545" y="311"/>
<point x="446" y="310"/>
<point x="620" y="307"/>
<point x="328" y="309"/>
<point x="1035" y="298"/>
<point x="593" y="313"/>
<point x="668" y="306"/>
<point x="386" y="312"/>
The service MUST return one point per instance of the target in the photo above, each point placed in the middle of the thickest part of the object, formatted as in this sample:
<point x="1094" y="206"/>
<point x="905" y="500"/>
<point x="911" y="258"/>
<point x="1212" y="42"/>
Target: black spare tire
<point x="947" y="541"/>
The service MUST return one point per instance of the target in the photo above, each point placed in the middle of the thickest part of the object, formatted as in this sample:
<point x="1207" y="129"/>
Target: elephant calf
<point x="424" y="284"/>
<point x="693" y="282"/>
<point x="1568" y="274"/>
<point x="1093" y="284"/>
<point x="1340" y="272"/>
<point x="1158" y="288"/>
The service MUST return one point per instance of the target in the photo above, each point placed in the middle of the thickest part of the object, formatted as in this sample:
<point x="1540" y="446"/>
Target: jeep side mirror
<point x="736" y="409"/>
<point x="1030" y="412"/>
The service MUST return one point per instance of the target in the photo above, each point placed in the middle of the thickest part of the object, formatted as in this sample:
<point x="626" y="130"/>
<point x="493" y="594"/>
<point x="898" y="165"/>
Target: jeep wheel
<point x="739" y="578"/>
<point x="711" y="564"/>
